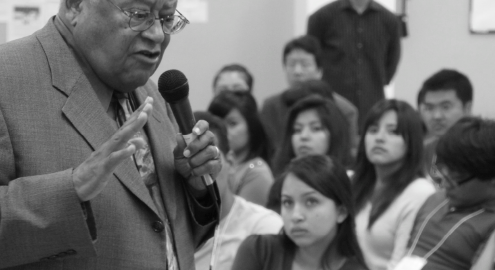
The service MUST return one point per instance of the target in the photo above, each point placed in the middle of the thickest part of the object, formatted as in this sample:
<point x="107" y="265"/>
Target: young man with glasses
<point x="92" y="172"/>
<point x="455" y="227"/>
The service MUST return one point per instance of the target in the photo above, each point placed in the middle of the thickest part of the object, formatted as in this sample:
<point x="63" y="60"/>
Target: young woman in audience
<point x="238" y="217"/>
<point x="388" y="185"/>
<point x="314" y="126"/>
<point x="252" y="177"/>
<point x="318" y="215"/>
<point x="233" y="77"/>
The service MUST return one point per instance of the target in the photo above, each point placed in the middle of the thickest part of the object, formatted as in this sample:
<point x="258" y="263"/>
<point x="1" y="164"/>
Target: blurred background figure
<point x="455" y="227"/>
<point x="239" y="218"/>
<point x="233" y="77"/>
<point x="302" y="63"/>
<point x="361" y="49"/>
<point x="318" y="216"/>
<point x="444" y="98"/>
<point x="388" y="182"/>
<point x="314" y="126"/>
<point x="249" y="147"/>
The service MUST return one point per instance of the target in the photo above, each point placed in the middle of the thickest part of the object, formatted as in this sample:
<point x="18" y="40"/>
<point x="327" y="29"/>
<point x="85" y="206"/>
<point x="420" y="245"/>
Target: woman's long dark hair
<point x="410" y="128"/>
<point x="331" y="118"/>
<point x="329" y="178"/>
<point x="243" y="101"/>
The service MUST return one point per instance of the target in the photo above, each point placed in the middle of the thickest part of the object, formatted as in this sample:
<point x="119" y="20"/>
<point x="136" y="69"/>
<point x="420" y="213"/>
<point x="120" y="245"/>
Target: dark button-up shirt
<point x="360" y="51"/>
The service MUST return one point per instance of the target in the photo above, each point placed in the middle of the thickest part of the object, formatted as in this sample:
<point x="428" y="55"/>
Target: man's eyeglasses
<point x="445" y="181"/>
<point x="140" y="21"/>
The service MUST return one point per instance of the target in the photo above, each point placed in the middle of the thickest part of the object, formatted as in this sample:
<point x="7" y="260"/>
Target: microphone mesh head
<point x="173" y="86"/>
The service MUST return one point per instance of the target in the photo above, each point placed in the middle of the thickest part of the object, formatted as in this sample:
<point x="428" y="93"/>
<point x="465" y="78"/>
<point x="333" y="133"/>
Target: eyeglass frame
<point x="131" y="14"/>
<point x="451" y="182"/>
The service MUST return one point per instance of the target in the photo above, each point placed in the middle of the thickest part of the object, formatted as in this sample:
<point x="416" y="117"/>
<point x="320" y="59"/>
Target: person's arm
<point x="487" y="257"/>
<point x="414" y="200"/>
<point x="394" y="50"/>
<point x="256" y="183"/>
<point x="247" y="256"/>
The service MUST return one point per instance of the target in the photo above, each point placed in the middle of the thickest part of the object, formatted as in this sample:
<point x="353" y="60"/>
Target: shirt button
<point x="251" y="165"/>
<point x="452" y="209"/>
<point x="158" y="226"/>
<point x="360" y="45"/>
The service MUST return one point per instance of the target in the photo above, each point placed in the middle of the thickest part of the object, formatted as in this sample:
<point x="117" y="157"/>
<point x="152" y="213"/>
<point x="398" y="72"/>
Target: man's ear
<point x="468" y="107"/>
<point x="72" y="10"/>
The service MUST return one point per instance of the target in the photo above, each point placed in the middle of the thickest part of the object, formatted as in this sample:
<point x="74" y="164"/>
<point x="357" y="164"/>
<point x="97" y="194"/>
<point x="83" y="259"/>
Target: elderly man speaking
<point x="93" y="174"/>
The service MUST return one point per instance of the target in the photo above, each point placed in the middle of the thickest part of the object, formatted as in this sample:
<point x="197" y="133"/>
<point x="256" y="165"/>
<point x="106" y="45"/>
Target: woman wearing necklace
<point x="318" y="216"/>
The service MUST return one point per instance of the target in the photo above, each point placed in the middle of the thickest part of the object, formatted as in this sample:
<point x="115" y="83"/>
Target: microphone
<point x="174" y="88"/>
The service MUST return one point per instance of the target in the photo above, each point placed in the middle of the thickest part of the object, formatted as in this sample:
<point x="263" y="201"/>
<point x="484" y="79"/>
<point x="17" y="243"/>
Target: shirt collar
<point x="346" y="4"/>
<point x="103" y="92"/>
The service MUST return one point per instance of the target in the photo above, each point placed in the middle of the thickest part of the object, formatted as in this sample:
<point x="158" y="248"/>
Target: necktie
<point x="146" y="167"/>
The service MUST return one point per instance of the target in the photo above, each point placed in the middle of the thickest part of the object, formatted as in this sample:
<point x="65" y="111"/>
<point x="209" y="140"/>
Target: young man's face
<point x="300" y="66"/>
<point x="442" y="109"/>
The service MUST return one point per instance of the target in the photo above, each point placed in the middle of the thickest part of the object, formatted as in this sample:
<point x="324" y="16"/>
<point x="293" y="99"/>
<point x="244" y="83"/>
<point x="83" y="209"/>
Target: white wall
<point x="439" y="38"/>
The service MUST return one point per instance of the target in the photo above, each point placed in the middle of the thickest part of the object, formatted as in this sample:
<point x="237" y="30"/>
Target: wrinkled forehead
<point x="157" y="5"/>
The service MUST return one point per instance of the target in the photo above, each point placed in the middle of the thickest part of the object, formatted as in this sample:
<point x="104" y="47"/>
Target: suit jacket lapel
<point x="83" y="109"/>
<point x="161" y="136"/>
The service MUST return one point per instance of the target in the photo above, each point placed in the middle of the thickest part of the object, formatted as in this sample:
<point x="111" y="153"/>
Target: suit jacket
<point x="50" y="121"/>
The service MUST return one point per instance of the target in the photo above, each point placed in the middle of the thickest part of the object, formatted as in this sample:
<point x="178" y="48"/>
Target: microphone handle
<point x="185" y="120"/>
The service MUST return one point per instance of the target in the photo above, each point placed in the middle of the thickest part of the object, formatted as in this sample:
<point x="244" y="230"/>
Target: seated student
<point x="388" y="185"/>
<point x="302" y="62"/>
<point x="455" y="228"/>
<point x="239" y="218"/>
<point x="249" y="147"/>
<point x="444" y="98"/>
<point x="318" y="216"/>
<point x="233" y="77"/>
<point x="314" y="126"/>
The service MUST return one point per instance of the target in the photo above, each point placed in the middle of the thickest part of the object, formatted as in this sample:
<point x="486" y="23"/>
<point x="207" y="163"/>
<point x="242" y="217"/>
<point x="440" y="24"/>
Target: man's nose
<point x="155" y="32"/>
<point x="437" y="113"/>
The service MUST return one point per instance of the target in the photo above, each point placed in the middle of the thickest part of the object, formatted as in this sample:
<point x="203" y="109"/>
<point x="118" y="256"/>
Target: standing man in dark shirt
<point x="361" y="49"/>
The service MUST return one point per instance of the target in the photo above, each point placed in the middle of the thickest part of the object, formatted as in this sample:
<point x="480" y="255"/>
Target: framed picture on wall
<point x="482" y="17"/>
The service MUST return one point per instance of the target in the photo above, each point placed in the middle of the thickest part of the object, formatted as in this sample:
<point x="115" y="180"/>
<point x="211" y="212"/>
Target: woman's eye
<point x="311" y="202"/>
<point x="372" y="129"/>
<point x="317" y="128"/>
<point x="286" y="203"/>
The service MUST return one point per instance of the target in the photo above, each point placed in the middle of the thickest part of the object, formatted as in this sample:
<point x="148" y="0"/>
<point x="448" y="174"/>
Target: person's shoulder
<point x="258" y="165"/>
<point x="330" y="7"/>
<point x="265" y="242"/>
<point x="262" y="220"/>
<point x="420" y="186"/>
<point x="272" y="100"/>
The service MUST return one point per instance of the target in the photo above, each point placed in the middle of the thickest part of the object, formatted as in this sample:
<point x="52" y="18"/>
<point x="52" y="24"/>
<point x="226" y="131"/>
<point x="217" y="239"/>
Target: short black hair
<point x="218" y="128"/>
<point x="248" y="77"/>
<point x="469" y="147"/>
<point x="447" y="79"/>
<point x="306" y="43"/>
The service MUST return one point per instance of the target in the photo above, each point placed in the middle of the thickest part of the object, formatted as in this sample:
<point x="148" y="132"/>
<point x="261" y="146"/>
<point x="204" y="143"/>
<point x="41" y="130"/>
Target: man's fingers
<point x="201" y="142"/>
<point x="212" y="166"/>
<point x="127" y="131"/>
